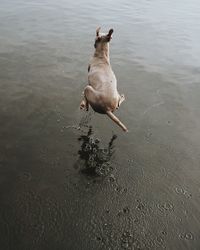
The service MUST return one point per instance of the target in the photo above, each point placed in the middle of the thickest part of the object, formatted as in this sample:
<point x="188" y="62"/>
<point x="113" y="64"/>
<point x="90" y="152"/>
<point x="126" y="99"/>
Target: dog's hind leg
<point x="121" y="99"/>
<point x="84" y="103"/>
<point x="91" y="95"/>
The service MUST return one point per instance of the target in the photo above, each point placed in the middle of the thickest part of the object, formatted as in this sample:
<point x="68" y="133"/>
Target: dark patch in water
<point x="96" y="158"/>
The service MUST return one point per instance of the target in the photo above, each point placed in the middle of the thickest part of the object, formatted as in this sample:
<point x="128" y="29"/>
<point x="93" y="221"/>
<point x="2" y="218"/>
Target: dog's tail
<point x="116" y="120"/>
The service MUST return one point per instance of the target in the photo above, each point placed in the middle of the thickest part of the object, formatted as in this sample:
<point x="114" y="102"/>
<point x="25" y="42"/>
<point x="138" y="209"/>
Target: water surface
<point x="96" y="187"/>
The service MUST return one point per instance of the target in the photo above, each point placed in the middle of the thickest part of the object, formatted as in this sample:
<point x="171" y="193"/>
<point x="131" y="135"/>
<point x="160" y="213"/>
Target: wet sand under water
<point x="73" y="180"/>
<point x="82" y="187"/>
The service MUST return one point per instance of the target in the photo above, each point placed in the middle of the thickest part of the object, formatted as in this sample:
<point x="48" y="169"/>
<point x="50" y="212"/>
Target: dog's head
<point x="102" y="38"/>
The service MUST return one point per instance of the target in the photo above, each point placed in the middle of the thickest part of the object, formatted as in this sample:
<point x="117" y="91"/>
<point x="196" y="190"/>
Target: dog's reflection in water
<point x="96" y="158"/>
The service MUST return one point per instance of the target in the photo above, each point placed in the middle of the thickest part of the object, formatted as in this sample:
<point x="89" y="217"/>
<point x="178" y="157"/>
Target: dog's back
<point x="102" y="78"/>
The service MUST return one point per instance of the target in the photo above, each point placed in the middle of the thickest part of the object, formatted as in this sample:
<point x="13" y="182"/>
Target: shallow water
<point x="74" y="180"/>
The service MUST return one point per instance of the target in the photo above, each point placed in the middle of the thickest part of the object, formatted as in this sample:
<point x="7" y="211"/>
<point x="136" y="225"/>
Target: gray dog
<point x="101" y="92"/>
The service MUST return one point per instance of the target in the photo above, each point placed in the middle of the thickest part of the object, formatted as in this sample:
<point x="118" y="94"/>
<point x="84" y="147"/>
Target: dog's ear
<point x="110" y="34"/>
<point x="97" y="31"/>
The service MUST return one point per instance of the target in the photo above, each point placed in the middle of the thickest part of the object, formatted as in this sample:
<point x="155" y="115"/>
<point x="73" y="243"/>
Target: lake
<point x="72" y="179"/>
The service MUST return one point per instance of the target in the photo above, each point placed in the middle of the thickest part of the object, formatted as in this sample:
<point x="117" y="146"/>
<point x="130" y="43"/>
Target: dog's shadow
<point x="95" y="160"/>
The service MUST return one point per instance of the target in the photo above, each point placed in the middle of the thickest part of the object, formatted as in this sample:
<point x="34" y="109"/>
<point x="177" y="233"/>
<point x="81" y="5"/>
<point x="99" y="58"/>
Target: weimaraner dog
<point x="101" y="92"/>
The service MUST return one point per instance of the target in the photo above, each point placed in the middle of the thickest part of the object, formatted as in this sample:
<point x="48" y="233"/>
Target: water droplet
<point x="159" y="240"/>
<point x="180" y="190"/>
<point x="130" y="160"/>
<point x="94" y="150"/>
<point x="166" y="207"/>
<point x="97" y="140"/>
<point x="141" y="206"/>
<point x="118" y="189"/>
<point x="91" y="158"/>
<point x="126" y="210"/>
<point x="107" y="211"/>
<point x="87" y="148"/>
<point x="111" y="178"/>
<point x="186" y="236"/>
<point x="124" y="245"/>
<point x="99" y="238"/>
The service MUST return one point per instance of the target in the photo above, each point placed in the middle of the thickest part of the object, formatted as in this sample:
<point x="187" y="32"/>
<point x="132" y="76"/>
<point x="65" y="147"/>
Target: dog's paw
<point x="122" y="97"/>
<point x="82" y="105"/>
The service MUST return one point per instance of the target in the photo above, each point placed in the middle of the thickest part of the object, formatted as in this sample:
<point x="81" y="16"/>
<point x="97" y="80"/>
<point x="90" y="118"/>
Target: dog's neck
<point x="102" y="52"/>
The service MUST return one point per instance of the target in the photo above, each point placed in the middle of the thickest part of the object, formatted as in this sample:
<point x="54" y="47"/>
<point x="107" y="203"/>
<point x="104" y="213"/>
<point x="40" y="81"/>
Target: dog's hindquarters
<point x="91" y="94"/>
<point x="93" y="97"/>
